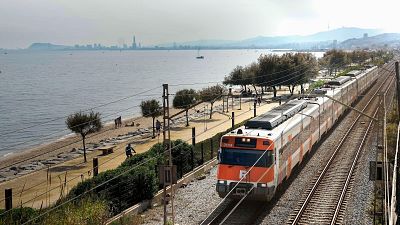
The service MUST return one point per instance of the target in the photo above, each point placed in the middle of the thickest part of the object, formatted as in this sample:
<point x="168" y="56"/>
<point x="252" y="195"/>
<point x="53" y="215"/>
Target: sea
<point x="39" y="89"/>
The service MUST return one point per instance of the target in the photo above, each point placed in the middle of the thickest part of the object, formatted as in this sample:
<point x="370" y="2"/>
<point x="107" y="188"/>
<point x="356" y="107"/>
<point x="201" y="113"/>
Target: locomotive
<point x="256" y="158"/>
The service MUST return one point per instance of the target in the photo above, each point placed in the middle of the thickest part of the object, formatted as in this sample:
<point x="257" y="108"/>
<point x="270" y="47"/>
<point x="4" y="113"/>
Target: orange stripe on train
<point x="227" y="172"/>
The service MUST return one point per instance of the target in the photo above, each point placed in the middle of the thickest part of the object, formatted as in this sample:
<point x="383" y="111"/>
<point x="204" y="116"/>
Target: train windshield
<point x="246" y="157"/>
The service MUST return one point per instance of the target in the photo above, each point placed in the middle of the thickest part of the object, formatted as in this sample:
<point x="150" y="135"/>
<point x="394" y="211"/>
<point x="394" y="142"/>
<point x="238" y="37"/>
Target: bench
<point x="107" y="150"/>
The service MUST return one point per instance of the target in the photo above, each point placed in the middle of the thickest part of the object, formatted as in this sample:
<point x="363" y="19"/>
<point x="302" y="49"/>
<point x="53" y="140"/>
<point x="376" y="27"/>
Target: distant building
<point x="365" y="35"/>
<point x="134" y="43"/>
<point x="125" y="46"/>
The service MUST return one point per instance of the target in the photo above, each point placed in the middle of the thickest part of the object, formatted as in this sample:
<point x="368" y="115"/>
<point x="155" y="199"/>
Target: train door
<point x="276" y="166"/>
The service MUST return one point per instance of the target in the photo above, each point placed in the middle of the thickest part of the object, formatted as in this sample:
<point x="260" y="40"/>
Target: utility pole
<point x="168" y="171"/>
<point x="398" y="86"/>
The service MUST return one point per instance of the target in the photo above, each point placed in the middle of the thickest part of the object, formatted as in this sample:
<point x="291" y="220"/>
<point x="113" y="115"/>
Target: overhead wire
<point x="98" y="133"/>
<point x="171" y="149"/>
<point x="47" y="168"/>
<point x="89" y="109"/>
<point x="236" y="205"/>
<point x="122" y="173"/>
<point x="28" y="141"/>
<point x="218" y="125"/>
<point x="126" y="97"/>
<point x="223" y="122"/>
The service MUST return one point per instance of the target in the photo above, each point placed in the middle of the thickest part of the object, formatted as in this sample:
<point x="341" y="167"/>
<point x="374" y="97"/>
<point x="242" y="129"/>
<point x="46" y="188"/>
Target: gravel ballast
<point x="192" y="203"/>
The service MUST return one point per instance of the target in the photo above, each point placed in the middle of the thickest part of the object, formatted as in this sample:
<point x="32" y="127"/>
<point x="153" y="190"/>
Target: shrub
<point x="123" y="191"/>
<point x="141" y="182"/>
<point x="88" y="211"/>
<point x="18" y="215"/>
<point x="128" y="220"/>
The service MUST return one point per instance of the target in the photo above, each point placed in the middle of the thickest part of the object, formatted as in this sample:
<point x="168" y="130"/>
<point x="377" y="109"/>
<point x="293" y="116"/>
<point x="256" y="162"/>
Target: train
<point x="256" y="158"/>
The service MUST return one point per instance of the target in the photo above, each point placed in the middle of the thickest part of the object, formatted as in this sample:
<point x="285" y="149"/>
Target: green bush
<point x="181" y="157"/>
<point x="87" y="211"/>
<point x="18" y="215"/>
<point x="128" y="220"/>
<point x="141" y="182"/>
<point x="123" y="191"/>
<point x="316" y="84"/>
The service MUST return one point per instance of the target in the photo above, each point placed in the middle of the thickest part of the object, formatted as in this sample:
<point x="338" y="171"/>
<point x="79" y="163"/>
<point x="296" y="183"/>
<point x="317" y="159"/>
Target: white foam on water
<point x="7" y="154"/>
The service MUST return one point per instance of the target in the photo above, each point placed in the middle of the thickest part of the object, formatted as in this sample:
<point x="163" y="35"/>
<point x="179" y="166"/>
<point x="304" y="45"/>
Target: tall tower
<point x="134" y="42"/>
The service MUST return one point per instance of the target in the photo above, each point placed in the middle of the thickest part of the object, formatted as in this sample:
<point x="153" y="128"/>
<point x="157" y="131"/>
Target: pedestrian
<point x="129" y="150"/>
<point x="259" y="101"/>
<point x="158" y="127"/>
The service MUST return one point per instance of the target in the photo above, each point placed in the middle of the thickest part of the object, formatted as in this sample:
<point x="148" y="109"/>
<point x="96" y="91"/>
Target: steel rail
<point x="344" y="191"/>
<point x="316" y="184"/>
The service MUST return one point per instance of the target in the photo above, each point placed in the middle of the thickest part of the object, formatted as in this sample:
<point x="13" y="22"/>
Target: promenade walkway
<point x="34" y="185"/>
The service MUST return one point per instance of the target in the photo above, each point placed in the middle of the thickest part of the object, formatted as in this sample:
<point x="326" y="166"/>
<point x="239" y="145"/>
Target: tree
<point x="250" y="74"/>
<point x="304" y="67"/>
<point x="151" y="108"/>
<point x="211" y="94"/>
<point x="184" y="99"/>
<point x="84" y="124"/>
<point x="358" y="56"/>
<point x="268" y="71"/>
<point x="334" y="59"/>
<point x="235" y="77"/>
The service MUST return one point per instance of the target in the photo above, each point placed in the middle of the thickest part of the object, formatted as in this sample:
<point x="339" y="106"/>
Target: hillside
<point x="322" y="39"/>
<point x="47" y="46"/>
<point x="381" y="40"/>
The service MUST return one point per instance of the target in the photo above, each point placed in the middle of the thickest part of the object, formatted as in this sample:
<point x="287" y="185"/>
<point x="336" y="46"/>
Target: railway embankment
<point x="199" y="198"/>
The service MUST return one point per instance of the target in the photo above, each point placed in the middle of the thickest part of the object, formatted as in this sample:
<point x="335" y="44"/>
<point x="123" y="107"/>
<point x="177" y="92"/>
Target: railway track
<point x="249" y="212"/>
<point x="245" y="213"/>
<point x="326" y="200"/>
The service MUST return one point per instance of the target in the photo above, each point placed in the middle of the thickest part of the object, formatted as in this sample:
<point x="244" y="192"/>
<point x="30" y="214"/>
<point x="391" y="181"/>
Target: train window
<point x="225" y="140"/>
<point x="246" y="157"/>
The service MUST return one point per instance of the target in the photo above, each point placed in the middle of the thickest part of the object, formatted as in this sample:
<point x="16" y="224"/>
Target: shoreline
<point x="31" y="184"/>
<point x="64" y="148"/>
<point x="69" y="147"/>
<point x="58" y="139"/>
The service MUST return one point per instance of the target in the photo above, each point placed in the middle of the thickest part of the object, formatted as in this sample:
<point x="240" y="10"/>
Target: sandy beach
<point x="42" y="186"/>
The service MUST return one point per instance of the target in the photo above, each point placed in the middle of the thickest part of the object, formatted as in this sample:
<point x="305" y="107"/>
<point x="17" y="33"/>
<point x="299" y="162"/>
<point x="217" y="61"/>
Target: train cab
<point x="236" y="157"/>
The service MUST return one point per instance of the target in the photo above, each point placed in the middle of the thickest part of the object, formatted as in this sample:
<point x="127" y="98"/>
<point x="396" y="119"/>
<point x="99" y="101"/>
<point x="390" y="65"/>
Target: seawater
<point x="38" y="89"/>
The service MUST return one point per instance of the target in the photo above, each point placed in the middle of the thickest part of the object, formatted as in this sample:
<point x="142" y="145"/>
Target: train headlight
<point x="221" y="182"/>
<point x="263" y="185"/>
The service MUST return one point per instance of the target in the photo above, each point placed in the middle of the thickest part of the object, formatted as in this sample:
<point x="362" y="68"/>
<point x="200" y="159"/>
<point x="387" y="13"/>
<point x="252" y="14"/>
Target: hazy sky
<point x="113" y="22"/>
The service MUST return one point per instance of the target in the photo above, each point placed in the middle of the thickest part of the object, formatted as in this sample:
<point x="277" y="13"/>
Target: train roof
<point x="339" y="80"/>
<point x="353" y="73"/>
<point x="276" y="116"/>
<point x="276" y="131"/>
<point x="272" y="124"/>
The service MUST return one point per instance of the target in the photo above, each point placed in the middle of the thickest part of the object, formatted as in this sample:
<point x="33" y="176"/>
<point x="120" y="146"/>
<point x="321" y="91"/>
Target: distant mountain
<point x="47" y="46"/>
<point x="321" y="38"/>
<point x="381" y="40"/>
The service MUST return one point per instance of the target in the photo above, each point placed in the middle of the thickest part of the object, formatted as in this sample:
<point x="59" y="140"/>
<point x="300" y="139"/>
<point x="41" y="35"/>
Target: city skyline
<point x="157" y="22"/>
